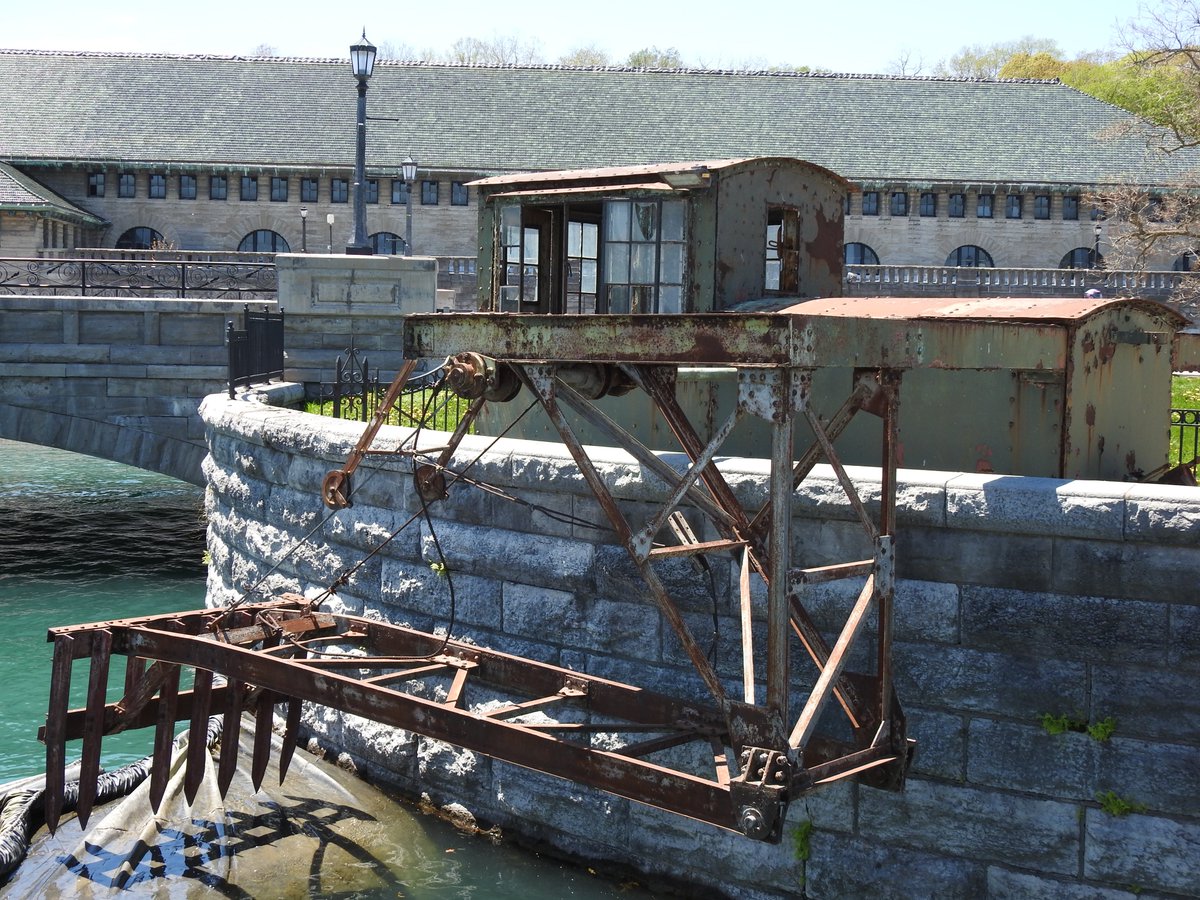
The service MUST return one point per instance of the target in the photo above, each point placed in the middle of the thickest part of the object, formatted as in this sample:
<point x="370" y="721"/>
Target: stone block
<point x="1142" y="851"/>
<point x="967" y="557"/>
<point x="1062" y="626"/>
<point x="969" y="823"/>
<point x="1183" y="644"/>
<point x="1160" y="703"/>
<point x="1007" y="884"/>
<point x="1124" y="570"/>
<point x="513" y="556"/>
<point x="843" y="866"/>
<point x="1162" y="514"/>
<point x="923" y="610"/>
<point x="594" y="818"/>
<point x="1041" y="506"/>
<point x="960" y="679"/>
<point x="941" y="742"/>
<point x="413" y="587"/>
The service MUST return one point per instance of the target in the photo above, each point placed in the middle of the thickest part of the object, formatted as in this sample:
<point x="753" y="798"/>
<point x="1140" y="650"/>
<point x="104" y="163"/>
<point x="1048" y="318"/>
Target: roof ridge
<point x="537" y="67"/>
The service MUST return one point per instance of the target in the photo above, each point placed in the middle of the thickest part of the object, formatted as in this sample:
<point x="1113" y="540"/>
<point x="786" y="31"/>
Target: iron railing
<point x="255" y="352"/>
<point x="1185" y="435"/>
<point x="161" y="275"/>
<point x="356" y="393"/>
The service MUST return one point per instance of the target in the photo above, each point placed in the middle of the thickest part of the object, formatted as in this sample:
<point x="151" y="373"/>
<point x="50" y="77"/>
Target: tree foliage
<point x="986" y="60"/>
<point x="653" y="58"/>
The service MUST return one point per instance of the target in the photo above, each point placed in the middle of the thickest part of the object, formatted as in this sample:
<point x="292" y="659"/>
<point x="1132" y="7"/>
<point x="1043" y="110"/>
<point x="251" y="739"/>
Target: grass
<point x="438" y="410"/>
<point x="1185" y="394"/>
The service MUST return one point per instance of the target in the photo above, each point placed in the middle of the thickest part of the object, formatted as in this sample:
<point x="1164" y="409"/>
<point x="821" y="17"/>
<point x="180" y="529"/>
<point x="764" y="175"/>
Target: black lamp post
<point x="408" y="171"/>
<point x="1096" y="246"/>
<point x="304" y="229"/>
<point x="362" y="64"/>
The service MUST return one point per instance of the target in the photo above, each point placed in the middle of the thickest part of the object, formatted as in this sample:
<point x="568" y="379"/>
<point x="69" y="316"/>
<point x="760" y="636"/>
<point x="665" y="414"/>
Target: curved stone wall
<point x="1023" y="603"/>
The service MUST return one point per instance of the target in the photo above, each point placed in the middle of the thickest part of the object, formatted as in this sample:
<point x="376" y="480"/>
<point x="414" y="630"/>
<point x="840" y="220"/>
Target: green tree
<point x="653" y="58"/>
<point x="591" y="55"/>
<point x="986" y="60"/>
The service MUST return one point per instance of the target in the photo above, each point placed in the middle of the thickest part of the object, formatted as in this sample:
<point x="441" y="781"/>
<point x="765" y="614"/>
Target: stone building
<point x="221" y="153"/>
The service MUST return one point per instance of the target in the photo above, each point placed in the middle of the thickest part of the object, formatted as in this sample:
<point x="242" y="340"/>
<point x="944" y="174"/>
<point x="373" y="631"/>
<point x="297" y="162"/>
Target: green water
<point x="83" y="540"/>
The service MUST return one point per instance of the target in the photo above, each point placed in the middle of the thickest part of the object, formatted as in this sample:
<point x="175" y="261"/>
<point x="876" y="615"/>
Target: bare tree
<point x="392" y="50"/>
<point x="653" y="58"/>
<point x="906" y="64"/>
<point x="263" y="50"/>
<point x="497" y="51"/>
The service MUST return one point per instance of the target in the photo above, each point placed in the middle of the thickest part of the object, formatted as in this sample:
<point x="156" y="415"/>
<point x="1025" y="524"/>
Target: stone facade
<point x="1022" y="602"/>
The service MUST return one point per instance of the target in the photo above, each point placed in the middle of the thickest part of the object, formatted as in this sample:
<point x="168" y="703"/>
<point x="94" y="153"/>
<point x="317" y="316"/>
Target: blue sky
<point x="861" y="37"/>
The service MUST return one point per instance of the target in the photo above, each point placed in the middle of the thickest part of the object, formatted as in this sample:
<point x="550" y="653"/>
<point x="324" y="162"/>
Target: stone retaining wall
<point x="1019" y="599"/>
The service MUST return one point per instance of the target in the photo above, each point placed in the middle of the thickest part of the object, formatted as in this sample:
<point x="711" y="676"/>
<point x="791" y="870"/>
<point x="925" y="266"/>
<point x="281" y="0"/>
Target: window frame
<point x="371" y="191"/>
<point x="898" y="204"/>
<point x="339" y="190"/>
<point x="248" y="188"/>
<point x="401" y="192"/>
<point x="156" y="186"/>
<point x="309" y="190"/>
<point x="1070" y="208"/>
<point x="870" y="203"/>
<point x="279" y="189"/>
<point x="1041" y="206"/>
<point x="126" y="185"/>
<point x="956" y="206"/>
<point x="95" y="184"/>
<point x="985" y="208"/>
<point x="218" y="187"/>
<point x="459" y="194"/>
<point x="188" y="192"/>
<point x="928" y="204"/>
<point x="1014" y="203"/>
<point x="429" y="192"/>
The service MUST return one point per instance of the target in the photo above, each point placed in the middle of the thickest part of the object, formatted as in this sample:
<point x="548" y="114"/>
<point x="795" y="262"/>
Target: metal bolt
<point x="752" y="823"/>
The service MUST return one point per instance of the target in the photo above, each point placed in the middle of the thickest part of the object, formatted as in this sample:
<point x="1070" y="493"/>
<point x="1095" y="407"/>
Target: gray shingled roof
<point x="20" y="192"/>
<point x="254" y="112"/>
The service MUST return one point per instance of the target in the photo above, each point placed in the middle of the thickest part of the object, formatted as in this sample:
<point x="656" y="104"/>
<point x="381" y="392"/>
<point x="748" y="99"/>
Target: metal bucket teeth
<point x="290" y="731"/>
<point x="164" y="733"/>
<point x="197" y="749"/>
<point x="93" y="727"/>
<point x="263" y="718"/>
<point x="235" y="693"/>
<point x="56" y="725"/>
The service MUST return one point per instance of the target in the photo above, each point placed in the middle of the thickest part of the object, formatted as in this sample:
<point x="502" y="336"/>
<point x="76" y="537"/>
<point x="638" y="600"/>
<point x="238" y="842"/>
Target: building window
<point x="783" y="250"/>
<point x="643" y="256"/>
<point x="249" y="189"/>
<point x="141" y="238"/>
<point x="263" y="241"/>
<point x="970" y="256"/>
<point x="372" y="192"/>
<point x="218" y="187"/>
<point x="860" y="255"/>
<point x="339" y="190"/>
<point x="983" y="206"/>
<point x="928" y="204"/>
<point x="1041" y="206"/>
<point x="458" y="193"/>
<point x="1070" y="208"/>
<point x="958" y="206"/>
<point x="1082" y="258"/>
<point x="126" y="185"/>
<point x="1012" y="206"/>
<point x="399" y="192"/>
<point x="846" y="205"/>
<point x="429" y="193"/>
<point x="898" y="203"/>
<point x="279" y="189"/>
<point x="308" y="190"/>
<point x="187" y="187"/>
<point x="384" y="243"/>
<point x="1185" y="262"/>
<point x="95" y="187"/>
<point x="158" y="187"/>
<point x="870" y="203"/>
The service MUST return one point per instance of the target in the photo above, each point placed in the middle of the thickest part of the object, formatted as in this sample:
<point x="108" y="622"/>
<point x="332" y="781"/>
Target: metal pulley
<point x="472" y="375"/>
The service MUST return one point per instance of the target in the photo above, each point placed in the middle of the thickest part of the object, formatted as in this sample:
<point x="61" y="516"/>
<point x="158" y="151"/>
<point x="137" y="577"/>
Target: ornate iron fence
<point x="147" y="277"/>
<point x="1185" y="435"/>
<point x="356" y="392"/>
<point x="255" y="352"/>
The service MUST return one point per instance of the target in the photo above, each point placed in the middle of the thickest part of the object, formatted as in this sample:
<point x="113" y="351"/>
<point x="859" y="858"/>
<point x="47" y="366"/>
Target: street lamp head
<point x="1096" y="229"/>
<point x="304" y="212"/>
<point x="408" y="169"/>
<point x="329" y="218"/>
<point x="362" y="58"/>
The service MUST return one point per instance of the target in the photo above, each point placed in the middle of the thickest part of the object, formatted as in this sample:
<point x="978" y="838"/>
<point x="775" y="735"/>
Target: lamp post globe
<point x="362" y="64"/>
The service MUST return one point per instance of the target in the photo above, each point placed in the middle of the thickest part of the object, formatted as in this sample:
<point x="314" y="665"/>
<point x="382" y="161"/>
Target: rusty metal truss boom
<point x="762" y="740"/>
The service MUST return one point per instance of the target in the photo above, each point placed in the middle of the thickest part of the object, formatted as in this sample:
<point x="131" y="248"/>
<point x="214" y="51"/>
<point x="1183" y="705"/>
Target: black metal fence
<point x="150" y="276"/>
<point x="255" y="352"/>
<point x="1185" y="435"/>
<point x="356" y="393"/>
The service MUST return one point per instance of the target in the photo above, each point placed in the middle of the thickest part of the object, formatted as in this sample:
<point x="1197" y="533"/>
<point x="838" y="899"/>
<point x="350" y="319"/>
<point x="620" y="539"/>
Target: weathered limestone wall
<point x="1019" y="598"/>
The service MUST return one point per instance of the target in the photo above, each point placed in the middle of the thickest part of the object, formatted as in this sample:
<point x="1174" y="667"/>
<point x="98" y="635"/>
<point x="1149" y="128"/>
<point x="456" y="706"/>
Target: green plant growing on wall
<point x="1061" y="723"/>
<point x="802" y="840"/>
<point x="1101" y="731"/>
<point x="1115" y="805"/>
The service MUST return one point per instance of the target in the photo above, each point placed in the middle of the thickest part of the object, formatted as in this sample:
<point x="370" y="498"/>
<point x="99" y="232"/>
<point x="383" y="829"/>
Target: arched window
<point x="861" y="255"/>
<point x="1081" y="258"/>
<point x="140" y="238"/>
<point x="1185" y="262"/>
<point x="264" y="241"/>
<point x="970" y="256"/>
<point x="385" y="243"/>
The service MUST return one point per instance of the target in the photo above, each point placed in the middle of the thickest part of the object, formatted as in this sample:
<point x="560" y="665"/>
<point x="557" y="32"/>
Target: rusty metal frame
<point x="763" y="754"/>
